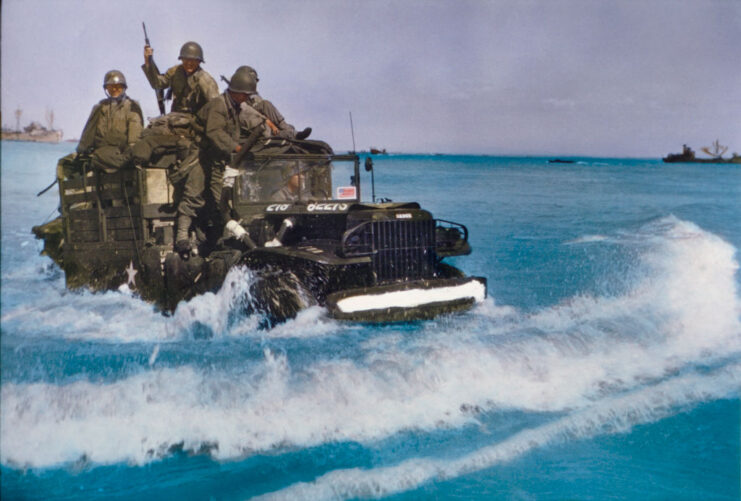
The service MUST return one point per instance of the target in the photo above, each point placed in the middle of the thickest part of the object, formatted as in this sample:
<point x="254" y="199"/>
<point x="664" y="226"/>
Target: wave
<point x="612" y="415"/>
<point x="584" y="355"/>
<point x="121" y="316"/>
<point x="115" y="316"/>
<point x="587" y="239"/>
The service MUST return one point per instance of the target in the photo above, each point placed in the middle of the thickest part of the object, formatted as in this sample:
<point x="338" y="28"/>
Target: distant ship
<point x="34" y="132"/>
<point x="715" y="151"/>
<point x="376" y="151"/>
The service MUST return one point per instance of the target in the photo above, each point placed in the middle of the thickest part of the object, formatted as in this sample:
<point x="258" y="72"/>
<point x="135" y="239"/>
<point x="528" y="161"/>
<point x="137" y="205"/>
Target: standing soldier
<point x="260" y="111"/>
<point x="114" y="125"/>
<point x="190" y="85"/>
<point x="220" y="121"/>
<point x="191" y="88"/>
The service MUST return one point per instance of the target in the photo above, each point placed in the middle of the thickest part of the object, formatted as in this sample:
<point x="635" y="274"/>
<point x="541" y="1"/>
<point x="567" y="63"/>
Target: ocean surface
<point x="605" y="363"/>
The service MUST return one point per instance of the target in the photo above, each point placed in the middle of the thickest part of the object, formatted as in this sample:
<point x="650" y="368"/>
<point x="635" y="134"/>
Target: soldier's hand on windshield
<point x="148" y="51"/>
<point x="272" y="126"/>
<point x="230" y="175"/>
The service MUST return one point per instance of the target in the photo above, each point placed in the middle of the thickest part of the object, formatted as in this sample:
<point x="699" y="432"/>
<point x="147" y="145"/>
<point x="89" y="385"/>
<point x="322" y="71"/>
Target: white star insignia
<point x="131" y="272"/>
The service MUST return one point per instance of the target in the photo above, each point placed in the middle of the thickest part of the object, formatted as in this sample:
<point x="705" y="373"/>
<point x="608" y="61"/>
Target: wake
<point x="612" y="415"/>
<point x="603" y="364"/>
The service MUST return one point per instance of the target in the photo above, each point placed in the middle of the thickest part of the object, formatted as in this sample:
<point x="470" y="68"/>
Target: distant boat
<point x="560" y="161"/>
<point x="715" y="151"/>
<point x="376" y="151"/>
<point x="35" y="132"/>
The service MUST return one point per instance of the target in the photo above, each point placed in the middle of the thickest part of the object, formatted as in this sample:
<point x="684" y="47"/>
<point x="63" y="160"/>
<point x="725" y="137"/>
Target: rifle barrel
<point x="47" y="188"/>
<point x="146" y="38"/>
<point x="158" y="92"/>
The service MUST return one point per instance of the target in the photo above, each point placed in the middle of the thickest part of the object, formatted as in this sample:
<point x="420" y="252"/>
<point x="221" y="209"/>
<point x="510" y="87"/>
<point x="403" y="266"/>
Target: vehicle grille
<point x="403" y="250"/>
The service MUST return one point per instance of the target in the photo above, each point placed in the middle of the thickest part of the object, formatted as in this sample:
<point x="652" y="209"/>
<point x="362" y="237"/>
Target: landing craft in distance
<point x="34" y="132"/>
<point x="716" y="151"/>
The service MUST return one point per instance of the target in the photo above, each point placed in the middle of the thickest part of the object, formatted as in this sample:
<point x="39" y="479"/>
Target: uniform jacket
<point x="189" y="92"/>
<point x="112" y="122"/>
<point x="220" y="120"/>
<point x="265" y="108"/>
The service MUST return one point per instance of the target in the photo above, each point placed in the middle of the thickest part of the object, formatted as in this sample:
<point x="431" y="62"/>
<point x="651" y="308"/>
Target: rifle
<point x="46" y="189"/>
<point x="237" y="158"/>
<point x="158" y="92"/>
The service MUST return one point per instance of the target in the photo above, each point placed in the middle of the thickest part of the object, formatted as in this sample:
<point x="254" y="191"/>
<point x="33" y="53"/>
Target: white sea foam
<point x="106" y="316"/>
<point x="121" y="316"/>
<point x="585" y="353"/>
<point x="489" y="309"/>
<point x="153" y="356"/>
<point x="587" y="239"/>
<point x="611" y="415"/>
<point x="310" y="322"/>
<point x="213" y="309"/>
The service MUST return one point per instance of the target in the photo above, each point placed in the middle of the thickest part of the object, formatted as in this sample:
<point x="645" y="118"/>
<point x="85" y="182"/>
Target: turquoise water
<point x="606" y="362"/>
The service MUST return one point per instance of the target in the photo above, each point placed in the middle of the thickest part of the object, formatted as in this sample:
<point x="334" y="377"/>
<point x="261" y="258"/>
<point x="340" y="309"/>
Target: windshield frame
<point x="262" y="161"/>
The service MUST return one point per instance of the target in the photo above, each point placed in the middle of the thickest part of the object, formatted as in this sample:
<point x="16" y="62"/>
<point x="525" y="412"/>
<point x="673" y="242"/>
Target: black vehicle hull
<point x="117" y="229"/>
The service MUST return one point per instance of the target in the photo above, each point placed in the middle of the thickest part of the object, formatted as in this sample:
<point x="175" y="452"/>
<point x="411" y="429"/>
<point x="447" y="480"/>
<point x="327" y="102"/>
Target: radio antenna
<point x="352" y="131"/>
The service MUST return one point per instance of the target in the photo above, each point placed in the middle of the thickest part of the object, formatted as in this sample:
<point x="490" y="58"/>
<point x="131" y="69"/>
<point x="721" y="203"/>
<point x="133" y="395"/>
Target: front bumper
<point x="407" y="301"/>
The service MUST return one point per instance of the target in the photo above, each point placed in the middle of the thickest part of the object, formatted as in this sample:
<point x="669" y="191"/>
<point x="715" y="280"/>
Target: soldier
<point x="114" y="125"/>
<point x="191" y="86"/>
<point x="261" y="112"/>
<point x="220" y="121"/>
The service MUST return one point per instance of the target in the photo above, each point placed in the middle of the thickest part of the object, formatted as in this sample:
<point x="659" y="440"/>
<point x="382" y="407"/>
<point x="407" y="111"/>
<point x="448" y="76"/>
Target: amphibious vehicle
<point x="297" y="222"/>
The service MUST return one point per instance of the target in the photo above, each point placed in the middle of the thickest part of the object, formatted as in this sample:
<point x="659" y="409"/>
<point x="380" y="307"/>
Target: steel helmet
<point x="114" y="77"/>
<point x="251" y="70"/>
<point x="191" y="50"/>
<point x="243" y="82"/>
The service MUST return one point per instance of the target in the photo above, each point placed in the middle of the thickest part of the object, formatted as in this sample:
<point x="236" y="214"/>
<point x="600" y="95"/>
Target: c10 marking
<point x="277" y="207"/>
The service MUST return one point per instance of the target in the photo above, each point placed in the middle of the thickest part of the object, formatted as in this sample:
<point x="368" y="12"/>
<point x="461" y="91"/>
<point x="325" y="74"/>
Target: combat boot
<point x="304" y="133"/>
<point x="182" y="237"/>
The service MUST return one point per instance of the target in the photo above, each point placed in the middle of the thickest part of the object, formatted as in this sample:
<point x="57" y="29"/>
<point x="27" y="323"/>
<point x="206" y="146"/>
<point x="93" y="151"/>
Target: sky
<point x="604" y="78"/>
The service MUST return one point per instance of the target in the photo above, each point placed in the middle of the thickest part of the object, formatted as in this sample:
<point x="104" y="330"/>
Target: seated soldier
<point x="289" y="189"/>
<point x="113" y="127"/>
<point x="259" y="112"/>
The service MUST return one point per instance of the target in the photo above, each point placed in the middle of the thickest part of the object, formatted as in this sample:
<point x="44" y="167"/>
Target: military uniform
<point x="256" y="110"/>
<point x="220" y="121"/>
<point x="114" y="125"/>
<point x="189" y="92"/>
<point x="267" y="109"/>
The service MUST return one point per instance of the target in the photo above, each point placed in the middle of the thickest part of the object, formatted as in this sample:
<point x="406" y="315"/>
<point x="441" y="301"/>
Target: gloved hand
<point x="230" y="174"/>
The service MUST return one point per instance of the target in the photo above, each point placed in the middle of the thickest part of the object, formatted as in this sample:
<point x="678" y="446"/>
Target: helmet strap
<point x="117" y="99"/>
